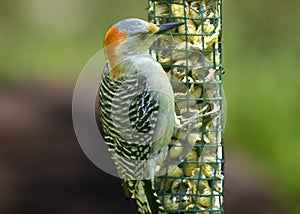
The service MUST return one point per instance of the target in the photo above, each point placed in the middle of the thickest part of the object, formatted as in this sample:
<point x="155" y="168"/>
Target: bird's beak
<point x="168" y="26"/>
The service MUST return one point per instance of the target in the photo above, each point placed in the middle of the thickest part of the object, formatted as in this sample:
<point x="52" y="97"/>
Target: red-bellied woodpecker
<point x="137" y="112"/>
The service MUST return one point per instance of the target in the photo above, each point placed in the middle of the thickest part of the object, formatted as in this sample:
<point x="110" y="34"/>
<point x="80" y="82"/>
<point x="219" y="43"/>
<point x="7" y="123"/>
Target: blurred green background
<point x="48" y="42"/>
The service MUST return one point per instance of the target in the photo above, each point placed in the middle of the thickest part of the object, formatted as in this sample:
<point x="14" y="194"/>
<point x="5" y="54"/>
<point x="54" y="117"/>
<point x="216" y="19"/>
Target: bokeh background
<point x="43" y="47"/>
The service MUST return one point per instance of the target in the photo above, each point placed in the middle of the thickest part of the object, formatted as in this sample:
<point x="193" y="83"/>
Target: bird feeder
<point x="191" y="55"/>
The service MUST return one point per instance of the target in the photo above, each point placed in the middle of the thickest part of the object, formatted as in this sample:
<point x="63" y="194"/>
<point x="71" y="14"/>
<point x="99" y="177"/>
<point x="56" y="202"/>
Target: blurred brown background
<point x="45" y="44"/>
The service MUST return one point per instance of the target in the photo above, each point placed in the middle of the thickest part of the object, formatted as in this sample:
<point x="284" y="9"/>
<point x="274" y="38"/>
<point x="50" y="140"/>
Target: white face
<point x="139" y="36"/>
<point x="129" y="38"/>
<point x="137" y="44"/>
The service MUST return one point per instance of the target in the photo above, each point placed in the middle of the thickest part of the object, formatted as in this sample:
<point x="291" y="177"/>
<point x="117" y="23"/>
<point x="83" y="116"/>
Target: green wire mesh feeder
<point x="192" y="58"/>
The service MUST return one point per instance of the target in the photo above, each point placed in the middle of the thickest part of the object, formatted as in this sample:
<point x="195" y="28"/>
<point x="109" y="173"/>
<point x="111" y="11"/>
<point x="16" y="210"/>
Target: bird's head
<point x="131" y="37"/>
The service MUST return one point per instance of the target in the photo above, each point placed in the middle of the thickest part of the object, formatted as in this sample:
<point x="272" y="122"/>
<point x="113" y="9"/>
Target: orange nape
<point x="113" y="35"/>
<point x="111" y="40"/>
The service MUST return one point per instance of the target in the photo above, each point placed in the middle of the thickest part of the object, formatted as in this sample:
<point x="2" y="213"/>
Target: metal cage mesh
<point x="191" y="55"/>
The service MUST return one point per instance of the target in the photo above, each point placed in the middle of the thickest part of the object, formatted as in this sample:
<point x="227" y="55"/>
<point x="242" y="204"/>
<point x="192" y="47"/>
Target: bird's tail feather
<point x="145" y="196"/>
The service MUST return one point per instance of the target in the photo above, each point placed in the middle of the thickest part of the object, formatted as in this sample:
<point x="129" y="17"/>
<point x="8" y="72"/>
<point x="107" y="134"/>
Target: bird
<point x="136" y="109"/>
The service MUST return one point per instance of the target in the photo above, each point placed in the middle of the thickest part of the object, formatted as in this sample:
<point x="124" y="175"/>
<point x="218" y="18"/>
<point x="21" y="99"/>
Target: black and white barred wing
<point x="129" y="116"/>
<point x="130" y="119"/>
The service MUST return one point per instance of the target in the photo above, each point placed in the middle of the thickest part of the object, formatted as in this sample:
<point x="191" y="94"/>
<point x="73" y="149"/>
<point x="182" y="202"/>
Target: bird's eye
<point x="143" y="36"/>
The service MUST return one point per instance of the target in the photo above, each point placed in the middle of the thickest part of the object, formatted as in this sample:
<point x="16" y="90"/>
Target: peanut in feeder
<point x="192" y="57"/>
